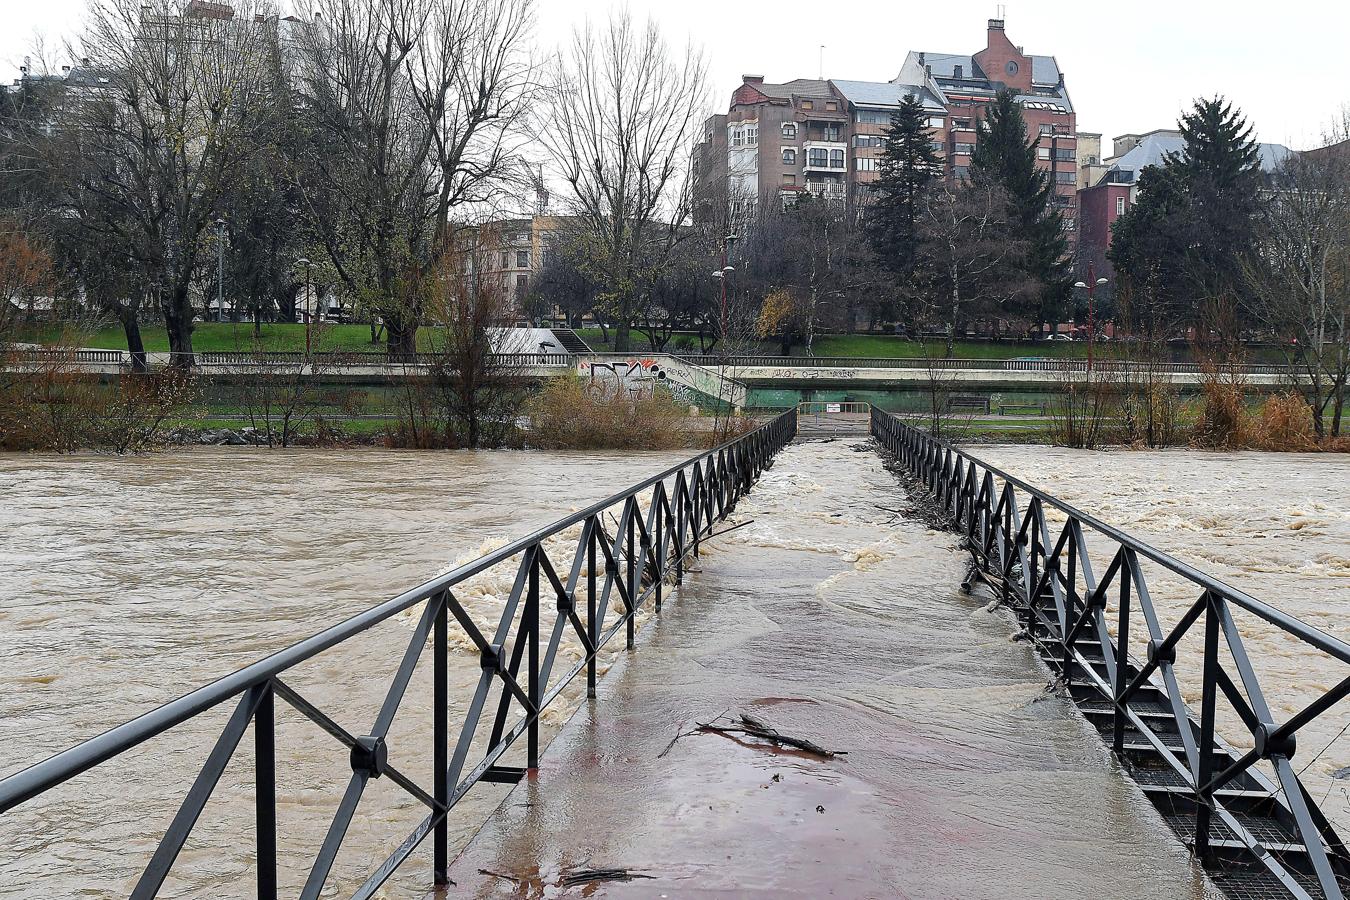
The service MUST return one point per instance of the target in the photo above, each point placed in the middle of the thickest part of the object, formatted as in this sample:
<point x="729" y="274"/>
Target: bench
<point x="962" y="401"/>
<point x="1034" y="409"/>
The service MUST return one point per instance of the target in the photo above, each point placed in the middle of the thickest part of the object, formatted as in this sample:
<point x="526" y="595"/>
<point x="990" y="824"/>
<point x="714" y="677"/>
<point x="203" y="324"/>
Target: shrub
<point x="569" y="414"/>
<point x="1285" y="423"/>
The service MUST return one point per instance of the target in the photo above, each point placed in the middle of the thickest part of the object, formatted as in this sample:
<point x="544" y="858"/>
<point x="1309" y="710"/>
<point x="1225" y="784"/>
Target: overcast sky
<point x="1129" y="66"/>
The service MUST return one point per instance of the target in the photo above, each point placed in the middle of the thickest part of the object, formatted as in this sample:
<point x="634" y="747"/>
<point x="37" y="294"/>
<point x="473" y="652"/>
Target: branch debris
<point x="756" y="727"/>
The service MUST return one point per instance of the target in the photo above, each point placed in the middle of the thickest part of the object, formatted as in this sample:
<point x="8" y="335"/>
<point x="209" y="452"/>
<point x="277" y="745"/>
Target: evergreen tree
<point x="1222" y="173"/>
<point x="1003" y="156"/>
<point x="1192" y="232"/>
<point x="908" y="166"/>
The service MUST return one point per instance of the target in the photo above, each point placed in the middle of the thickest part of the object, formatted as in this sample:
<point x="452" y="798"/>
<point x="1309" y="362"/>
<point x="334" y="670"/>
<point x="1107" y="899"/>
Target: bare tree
<point x="1300" y="277"/>
<point x="967" y="252"/>
<point x="411" y="107"/>
<point x="176" y="121"/>
<point x="621" y="121"/>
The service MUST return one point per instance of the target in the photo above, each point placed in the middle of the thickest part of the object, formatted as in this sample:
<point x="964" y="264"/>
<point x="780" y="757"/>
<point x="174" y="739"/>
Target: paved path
<point x="838" y="620"/>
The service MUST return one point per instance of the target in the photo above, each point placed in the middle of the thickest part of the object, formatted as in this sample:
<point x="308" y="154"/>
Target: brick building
<point x="824" y="136"/>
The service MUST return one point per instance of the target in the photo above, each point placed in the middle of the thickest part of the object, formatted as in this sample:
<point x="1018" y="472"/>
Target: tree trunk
<point x="400" y="337"/>
<point x="622" y="339"/>
<point x="131" y="326"/>
<point x="178" y="323"/>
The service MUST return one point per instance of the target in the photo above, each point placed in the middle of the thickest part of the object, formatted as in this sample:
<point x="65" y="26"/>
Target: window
<point x="522" y="238"/>
<point x="1070" y="224"/>
<point x="936" y="121"/>
<point x="938" y="146"/>
<point x="836" y="159"/>
<point x="1069" y="177"/>
<point x="522" y="259"/>
<point x="831" y="106"/>
<point x="868" y="140"/>
<point x="1120" y="206"/>
<point x="963" y="124"/>
<point x="1047" y="129"/>
<point x="789" y="156"/>
<point x="962" y="171"/>
<point x="789" y="180"/>
<point x="1042" y="152"/>
<point x="506" y="260"/>
<point x="807" y="104"/>
<point x="790" y="130"/>
<point x="752" y="135"/>
<point x="522" y="286"/>
<point x="873" y="117"/>
<point x="1011" y="67"/>
<point x="967" y="149"/>
<point x="737" y="137"/>
<point x="866" y="164"/>
<point x="832" y="132"/>
<point x="817" y="158"/>
<point x="1065" y="153"/>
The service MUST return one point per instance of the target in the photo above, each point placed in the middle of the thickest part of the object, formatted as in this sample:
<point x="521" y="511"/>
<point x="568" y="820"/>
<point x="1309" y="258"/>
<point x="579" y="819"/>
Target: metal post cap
<point x="370" y="756"/>
<point x="1155" y="651"/>
<point x="1266" y="747"/>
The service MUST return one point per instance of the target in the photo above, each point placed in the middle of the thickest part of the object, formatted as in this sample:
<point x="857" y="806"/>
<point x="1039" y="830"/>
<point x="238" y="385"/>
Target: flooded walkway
<point x="834" y="617"/>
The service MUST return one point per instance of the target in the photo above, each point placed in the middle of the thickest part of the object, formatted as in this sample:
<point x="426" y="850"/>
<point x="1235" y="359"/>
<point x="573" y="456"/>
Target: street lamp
<point x="722" y="276"/>
<point x="220" y="270"/>
<point x="302" y="261"/>
<point x="1091" y="288"/>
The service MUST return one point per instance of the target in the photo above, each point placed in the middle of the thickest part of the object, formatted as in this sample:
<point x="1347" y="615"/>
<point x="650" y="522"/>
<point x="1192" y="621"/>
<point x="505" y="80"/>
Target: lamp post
<point x="306" y="264"/>
<point x="722" y="276"/>
<point x="1091" y="287"/>
<point x="220" y="270"/>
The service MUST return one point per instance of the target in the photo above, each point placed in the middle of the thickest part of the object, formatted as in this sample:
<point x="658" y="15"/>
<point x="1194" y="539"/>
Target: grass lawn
<point x="218" y="336"/>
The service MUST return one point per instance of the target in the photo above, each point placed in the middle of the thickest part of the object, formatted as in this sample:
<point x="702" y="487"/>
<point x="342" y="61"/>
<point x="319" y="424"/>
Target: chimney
<point x="928" y="71"/>
<point x="318" y="17"/>
<point x="956" y="71"/>
<point x="995" y="24"/>
<point x="65" y="70"/>
<point x="84" y="61"/>
<point x="752" y="79"/>
<point x="923" y="57"/>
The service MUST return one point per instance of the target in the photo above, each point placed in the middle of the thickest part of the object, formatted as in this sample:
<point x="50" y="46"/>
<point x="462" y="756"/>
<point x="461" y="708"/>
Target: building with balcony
<point x="825" y="136"/>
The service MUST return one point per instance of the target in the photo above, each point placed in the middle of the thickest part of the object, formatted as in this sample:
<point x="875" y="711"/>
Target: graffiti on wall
<point x="635" y="377"/>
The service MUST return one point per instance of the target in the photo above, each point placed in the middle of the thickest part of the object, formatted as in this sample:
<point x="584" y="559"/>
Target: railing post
<point x="680" y="519"/>
<point x="1070" y="594"/>
<point x="658" y="551"/>
<point x="591" y="625"/>
<point x="532" y="621"/>
<point x="631" y="625"/>
<point x="440" y="699"/>
<point x="1122" y="656"/>
<point x="265" y="804"/>
<point x="1205" y="761"/>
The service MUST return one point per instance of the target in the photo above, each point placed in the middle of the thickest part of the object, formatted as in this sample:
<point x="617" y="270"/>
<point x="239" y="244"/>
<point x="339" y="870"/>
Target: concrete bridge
<point x="825" y="700"/>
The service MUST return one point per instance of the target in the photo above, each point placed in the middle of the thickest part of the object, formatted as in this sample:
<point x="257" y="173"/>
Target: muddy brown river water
<point x="126" y="582"/>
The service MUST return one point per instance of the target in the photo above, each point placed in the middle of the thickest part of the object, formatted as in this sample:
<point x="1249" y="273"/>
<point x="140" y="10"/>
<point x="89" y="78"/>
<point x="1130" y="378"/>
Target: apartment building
<point x="824" y="136"/>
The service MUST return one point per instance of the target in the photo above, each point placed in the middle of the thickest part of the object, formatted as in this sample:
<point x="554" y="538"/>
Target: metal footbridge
<point x="1221" y="775"/>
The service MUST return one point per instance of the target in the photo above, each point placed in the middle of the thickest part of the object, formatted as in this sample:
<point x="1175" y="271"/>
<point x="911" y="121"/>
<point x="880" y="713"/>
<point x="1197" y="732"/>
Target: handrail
<point x="632" y="562"/>
<point x="1049" y="579"/>
<point x="1052" y="364"/>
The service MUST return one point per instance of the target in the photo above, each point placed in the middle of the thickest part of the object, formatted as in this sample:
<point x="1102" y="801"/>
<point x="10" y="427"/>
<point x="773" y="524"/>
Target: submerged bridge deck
<point x="833" y="619"/>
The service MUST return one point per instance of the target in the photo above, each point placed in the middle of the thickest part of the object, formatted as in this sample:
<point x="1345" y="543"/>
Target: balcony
<point x="825" y="156"/>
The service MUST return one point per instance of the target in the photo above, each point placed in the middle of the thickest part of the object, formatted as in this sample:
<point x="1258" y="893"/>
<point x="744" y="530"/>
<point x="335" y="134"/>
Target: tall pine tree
<point x="908" y="166"/>
<point x="1003" y="156"/>
<point x="1192" y="233"/>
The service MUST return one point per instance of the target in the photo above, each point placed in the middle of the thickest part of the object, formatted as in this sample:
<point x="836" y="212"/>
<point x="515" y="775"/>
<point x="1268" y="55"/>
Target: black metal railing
<point x="326" y="360"/>
<point x="1051" y="365"/>
<point x="1217" y="794"/>
<point x="625" y="560"/>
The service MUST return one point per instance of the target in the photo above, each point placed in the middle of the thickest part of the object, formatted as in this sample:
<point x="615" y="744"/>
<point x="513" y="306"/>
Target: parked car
<point x="1057" y="337"/>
